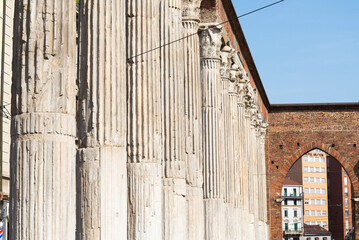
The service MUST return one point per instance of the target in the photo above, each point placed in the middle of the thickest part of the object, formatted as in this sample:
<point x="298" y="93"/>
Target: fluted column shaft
<point x="210" y="39"/>
<point x="102" y="157"/>
<point x="43" y="131"/>
<point x="144" y="121"/>
<point x="174" y="183"/>
<point x="193" y="119"/>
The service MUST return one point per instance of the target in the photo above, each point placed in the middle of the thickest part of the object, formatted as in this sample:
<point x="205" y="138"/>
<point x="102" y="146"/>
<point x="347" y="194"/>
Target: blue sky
<point x="306" y="51"/>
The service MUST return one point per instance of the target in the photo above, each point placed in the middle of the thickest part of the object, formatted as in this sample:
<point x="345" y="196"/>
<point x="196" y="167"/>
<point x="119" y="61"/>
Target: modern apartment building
<point x="339" y="189"/>
<point x="314" y="168"/>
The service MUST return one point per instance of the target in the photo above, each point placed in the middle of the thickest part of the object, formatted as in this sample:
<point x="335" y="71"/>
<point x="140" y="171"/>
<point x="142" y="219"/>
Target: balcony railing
<point x="293" y="196"/>
<point x="293" y="232"/>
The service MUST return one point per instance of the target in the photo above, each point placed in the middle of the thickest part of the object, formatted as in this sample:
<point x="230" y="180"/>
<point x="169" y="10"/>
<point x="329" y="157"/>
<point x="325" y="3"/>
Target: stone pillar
<point x="144" y="121"/>
<point x="43" y="150"/>
<point x="226" y="131"/>
<point x="210" y="39"/>
<point x="263" y="182"/>
<point x="172" y="79"/>
<point x="102" y="157"/>
<point x="193" y="120"/>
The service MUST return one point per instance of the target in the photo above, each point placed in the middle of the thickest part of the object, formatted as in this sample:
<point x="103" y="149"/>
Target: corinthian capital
<point x="190" y="9"/>
<point x="210" y="40"/>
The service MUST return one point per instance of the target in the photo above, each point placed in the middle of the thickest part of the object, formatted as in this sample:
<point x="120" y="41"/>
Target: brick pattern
<point x="293" y="133"/>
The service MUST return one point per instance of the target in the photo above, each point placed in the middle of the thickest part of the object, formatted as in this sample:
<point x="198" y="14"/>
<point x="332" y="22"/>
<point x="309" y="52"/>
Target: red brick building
<point x="340" y="194"/>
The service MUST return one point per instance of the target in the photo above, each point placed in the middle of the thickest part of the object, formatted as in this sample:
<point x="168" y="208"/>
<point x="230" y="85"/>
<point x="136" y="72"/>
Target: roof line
<point x="314" y="106"/>
<point x="238" y="32"/>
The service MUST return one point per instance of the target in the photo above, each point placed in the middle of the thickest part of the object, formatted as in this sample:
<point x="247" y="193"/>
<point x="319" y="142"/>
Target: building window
<point x="306" y="169"/>
<point x="324" y="202"/>
<point x="285" y="192"/>
<point x="324" y="213"/>
<point x="317" y="169"/>
<point x="295" y="202"/>
<point x="317" y="180"/>
<point x="317" y="191"/>
<point x="312" y="190"/>
<point x="295" y="213"/>
<point x="311" y="169"/>
<point x="286" y="226"/>
<point x="305" y="179"/>
<point x="323" y="180"/>
<point x="306" y="201"/>
<point x="285" y="202"/>
<point x="295" y="226"/>
<point x="312" y="202"/>
<point x="318" y="202"/>
<point x="312" y="213"/>
<point x="305" y="159"/>
<point x="285" y="213"/>
<point x="307" y="213"/>
<point x="322" y="160"/>
<point x="347" y="224"/>
<point x="322" y="170"/>
<point x="294" y="192"/>
<point x="346" y="191"/>
<point x="345" y="173"/>
<point x="346" y="202"/>
<point x="312" y="179"/>
<point x="324" y="224"/>
<point x="323" y="191"/>
<point x="346" y="213"/>
<point x="318" y="214"/>
<point x="346" y="181"/>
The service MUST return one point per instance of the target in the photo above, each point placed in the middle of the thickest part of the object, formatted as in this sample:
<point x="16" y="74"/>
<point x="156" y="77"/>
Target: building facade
<point x="340" y="200"/>
<point x="315" y="189"/>
<point x="292" y="210"/>
<point x="136" y="135"/>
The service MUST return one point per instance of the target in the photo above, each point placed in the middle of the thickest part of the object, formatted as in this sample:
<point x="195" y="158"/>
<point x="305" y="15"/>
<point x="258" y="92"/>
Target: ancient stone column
<point x="210" y="40"/>
<point x="262" y="183"/>
<point x="226" y="139"/>
<point x="193" y="119"/>
<point x="102" y="157"/>
<point x="172" y="79"/>
<point x="43" y="150"/>
<point x="144" y="120"/>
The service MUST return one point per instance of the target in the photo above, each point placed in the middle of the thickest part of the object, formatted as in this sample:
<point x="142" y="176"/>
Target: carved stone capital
<point x="191" y="9"/>
<point x="227" y="54"/>
<point x="210" y="40"/>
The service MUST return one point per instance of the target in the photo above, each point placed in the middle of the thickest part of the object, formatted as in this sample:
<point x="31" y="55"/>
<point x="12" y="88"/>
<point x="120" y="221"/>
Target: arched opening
<point x="316" y="199"/>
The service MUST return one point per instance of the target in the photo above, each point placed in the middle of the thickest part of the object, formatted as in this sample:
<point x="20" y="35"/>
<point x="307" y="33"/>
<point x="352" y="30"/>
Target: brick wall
<point x="295" y="131"/>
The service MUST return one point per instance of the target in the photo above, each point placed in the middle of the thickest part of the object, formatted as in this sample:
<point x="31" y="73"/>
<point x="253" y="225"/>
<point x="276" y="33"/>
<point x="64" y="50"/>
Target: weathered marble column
<point x="210" y="40"/>
<point x="226" y="139"/>
<point x="144" y="121"/>
<point x="172" y="79"/>
<point x="102" y="157"/>
<point x="193" y="119"/>
<point x="43" y="150"/>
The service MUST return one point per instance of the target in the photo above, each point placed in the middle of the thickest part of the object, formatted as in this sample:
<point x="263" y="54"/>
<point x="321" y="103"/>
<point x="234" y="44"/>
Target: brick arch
<point x="325" y="148"/>
<point x="294" y="131"/>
